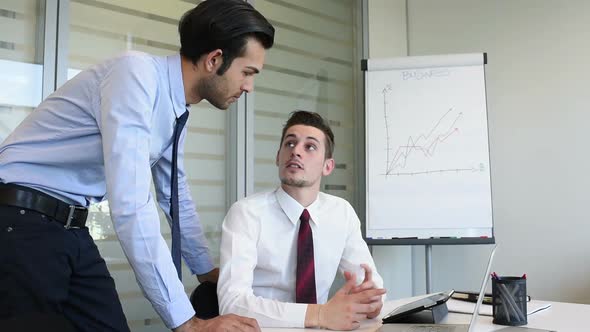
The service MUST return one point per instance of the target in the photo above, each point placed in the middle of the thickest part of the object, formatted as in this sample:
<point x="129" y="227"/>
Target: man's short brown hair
<point x="312" y="119"/>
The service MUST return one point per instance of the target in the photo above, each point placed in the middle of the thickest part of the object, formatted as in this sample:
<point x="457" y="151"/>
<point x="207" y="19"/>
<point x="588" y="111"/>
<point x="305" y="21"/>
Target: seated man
<point x="280" y="250"/>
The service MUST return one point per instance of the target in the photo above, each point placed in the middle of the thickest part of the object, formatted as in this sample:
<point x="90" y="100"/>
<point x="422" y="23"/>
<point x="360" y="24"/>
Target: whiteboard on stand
<point x="427" y="150"/>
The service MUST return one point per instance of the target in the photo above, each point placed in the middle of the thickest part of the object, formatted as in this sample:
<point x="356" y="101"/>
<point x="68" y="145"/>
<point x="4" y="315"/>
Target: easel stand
<point x="428" y="243"/>
<point x="428" y="258"/>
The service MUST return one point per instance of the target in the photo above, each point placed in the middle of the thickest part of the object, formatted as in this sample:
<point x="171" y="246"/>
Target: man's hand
<point x="365" y="285"/>
<point x="223" y="323"/>
<point x="346" y="310"/>
<point x="211" y="276"/>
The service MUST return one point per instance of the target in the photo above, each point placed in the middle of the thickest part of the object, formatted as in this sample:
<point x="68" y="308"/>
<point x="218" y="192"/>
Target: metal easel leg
<point x="428" y="256"/>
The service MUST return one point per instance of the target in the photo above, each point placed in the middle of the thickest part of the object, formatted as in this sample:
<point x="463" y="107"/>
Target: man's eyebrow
<point x="256" y="70"/>
<point x="313" y="138"/>
<point x="295" y="136"/>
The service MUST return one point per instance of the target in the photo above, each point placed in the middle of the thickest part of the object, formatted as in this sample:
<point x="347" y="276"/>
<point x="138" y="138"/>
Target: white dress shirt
<point x="106" y="133"/>
<point x="259" y="255"/>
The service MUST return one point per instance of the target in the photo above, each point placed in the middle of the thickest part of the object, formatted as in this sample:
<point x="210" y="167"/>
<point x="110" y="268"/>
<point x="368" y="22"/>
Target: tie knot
<point x="304" y="216"/>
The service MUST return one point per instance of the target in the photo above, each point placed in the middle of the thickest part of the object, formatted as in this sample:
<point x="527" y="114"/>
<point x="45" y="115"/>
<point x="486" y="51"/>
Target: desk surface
<point x="562" y="317"/>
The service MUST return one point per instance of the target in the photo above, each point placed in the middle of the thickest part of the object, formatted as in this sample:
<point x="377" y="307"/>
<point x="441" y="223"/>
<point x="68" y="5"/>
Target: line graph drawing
<point x="425" y="143"/>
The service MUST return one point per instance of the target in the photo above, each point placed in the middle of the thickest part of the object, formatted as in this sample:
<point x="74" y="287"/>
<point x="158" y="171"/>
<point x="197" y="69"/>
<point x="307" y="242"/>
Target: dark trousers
<point x="48" y="270"/>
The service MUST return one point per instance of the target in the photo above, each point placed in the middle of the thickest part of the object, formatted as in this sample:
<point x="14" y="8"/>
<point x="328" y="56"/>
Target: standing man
<point x="280" y="250"/>
<point x="106" y="134"/>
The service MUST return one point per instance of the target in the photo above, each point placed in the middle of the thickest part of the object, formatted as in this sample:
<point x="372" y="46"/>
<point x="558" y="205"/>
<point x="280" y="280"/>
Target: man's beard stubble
<point x="213" y="91"/>
<point x="294" y="183"/>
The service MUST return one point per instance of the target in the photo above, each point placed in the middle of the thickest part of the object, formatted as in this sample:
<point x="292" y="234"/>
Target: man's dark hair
<point x="225" y="25"/>
<point x="312" y="119"/>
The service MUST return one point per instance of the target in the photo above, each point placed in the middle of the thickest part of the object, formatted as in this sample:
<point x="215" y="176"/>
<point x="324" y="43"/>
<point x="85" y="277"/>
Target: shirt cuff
<point x="176" y="313"/>
<point x="296" y="316"/>
<point x="200" y="264"/>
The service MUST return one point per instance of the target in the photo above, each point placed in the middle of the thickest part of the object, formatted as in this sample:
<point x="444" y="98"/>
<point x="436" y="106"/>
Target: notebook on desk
<point x="446" y="327"/>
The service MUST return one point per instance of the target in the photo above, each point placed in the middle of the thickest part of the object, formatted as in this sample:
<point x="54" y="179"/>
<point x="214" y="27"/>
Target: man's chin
<point x="228" y="103"/>
<point x="220" y="106"/>
<point x="294" y="182"/>
<point x="225" y="106"/>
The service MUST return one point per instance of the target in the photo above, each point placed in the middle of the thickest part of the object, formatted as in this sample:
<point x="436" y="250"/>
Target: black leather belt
<point x="71" y="216"/>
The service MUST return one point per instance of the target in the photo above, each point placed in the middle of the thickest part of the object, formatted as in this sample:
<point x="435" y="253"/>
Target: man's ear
<point x="277" y="158"/>
<point x="213" y="60"/>
<point x="329" y="165"/>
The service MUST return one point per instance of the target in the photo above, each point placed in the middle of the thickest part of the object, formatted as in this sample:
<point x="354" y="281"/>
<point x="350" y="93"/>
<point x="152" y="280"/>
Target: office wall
<point x="538" y="104"/>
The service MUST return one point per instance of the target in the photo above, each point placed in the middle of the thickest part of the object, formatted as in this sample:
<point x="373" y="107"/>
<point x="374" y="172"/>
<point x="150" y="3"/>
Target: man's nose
<point x="248" y="85"/>
<point x="297" y="150"/>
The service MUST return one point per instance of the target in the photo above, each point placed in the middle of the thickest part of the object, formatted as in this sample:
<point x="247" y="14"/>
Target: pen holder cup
<point x="509" y="301"/>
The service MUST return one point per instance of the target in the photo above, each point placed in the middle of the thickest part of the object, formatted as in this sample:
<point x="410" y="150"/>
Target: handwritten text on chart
<point x="424" y="74"/>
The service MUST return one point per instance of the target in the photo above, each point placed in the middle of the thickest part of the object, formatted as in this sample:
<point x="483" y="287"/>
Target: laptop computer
<point x="423" y="310"/>
<point x="447" y="327"/>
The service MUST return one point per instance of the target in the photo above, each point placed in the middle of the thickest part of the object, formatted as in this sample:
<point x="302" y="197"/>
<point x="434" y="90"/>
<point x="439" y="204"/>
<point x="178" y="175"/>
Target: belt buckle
<point x="73" y="209"/>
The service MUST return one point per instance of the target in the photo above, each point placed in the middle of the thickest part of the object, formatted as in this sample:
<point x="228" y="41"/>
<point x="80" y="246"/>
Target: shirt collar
<point x="176" y="85"/>
<point x="293" y="209"/>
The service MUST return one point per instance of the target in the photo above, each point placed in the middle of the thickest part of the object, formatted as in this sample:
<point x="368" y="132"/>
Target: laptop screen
<point x="482" y="291"/>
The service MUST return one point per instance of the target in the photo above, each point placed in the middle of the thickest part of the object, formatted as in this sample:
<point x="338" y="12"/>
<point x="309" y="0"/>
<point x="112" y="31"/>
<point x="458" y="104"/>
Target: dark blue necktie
<point x="180" y="122"/>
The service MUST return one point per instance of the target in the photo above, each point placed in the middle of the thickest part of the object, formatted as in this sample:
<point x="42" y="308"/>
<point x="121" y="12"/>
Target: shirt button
<point x="22" y="211"/>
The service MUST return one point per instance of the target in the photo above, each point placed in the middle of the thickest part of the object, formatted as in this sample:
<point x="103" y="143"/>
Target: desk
<point x="562" y="317"/>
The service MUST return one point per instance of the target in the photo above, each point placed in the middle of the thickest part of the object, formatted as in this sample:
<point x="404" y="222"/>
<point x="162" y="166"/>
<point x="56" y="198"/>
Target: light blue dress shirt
<point x="104" y="135"/>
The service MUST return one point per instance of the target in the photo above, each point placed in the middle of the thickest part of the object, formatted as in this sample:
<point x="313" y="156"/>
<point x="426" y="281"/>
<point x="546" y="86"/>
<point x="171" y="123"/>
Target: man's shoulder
<point x="136" y="58"/>
<point x="130" y="61"/>
<point x="256" y="201"/>
<point x="250" y="210"/>
<point x="132" y="54"/>
<point x="329" y="199"/>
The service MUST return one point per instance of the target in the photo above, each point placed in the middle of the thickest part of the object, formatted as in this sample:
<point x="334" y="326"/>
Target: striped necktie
<point x="305" y="291"/>
<point x="180" y="122"/>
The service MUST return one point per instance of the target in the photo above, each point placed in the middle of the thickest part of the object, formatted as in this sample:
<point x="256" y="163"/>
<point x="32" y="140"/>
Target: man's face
<point x="301" y="157"/>
<point x="222" y="91"/>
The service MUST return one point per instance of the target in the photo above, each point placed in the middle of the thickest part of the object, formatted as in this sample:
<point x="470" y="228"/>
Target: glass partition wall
<point x="22" y="32"/>
<point x="313" y="66"/>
